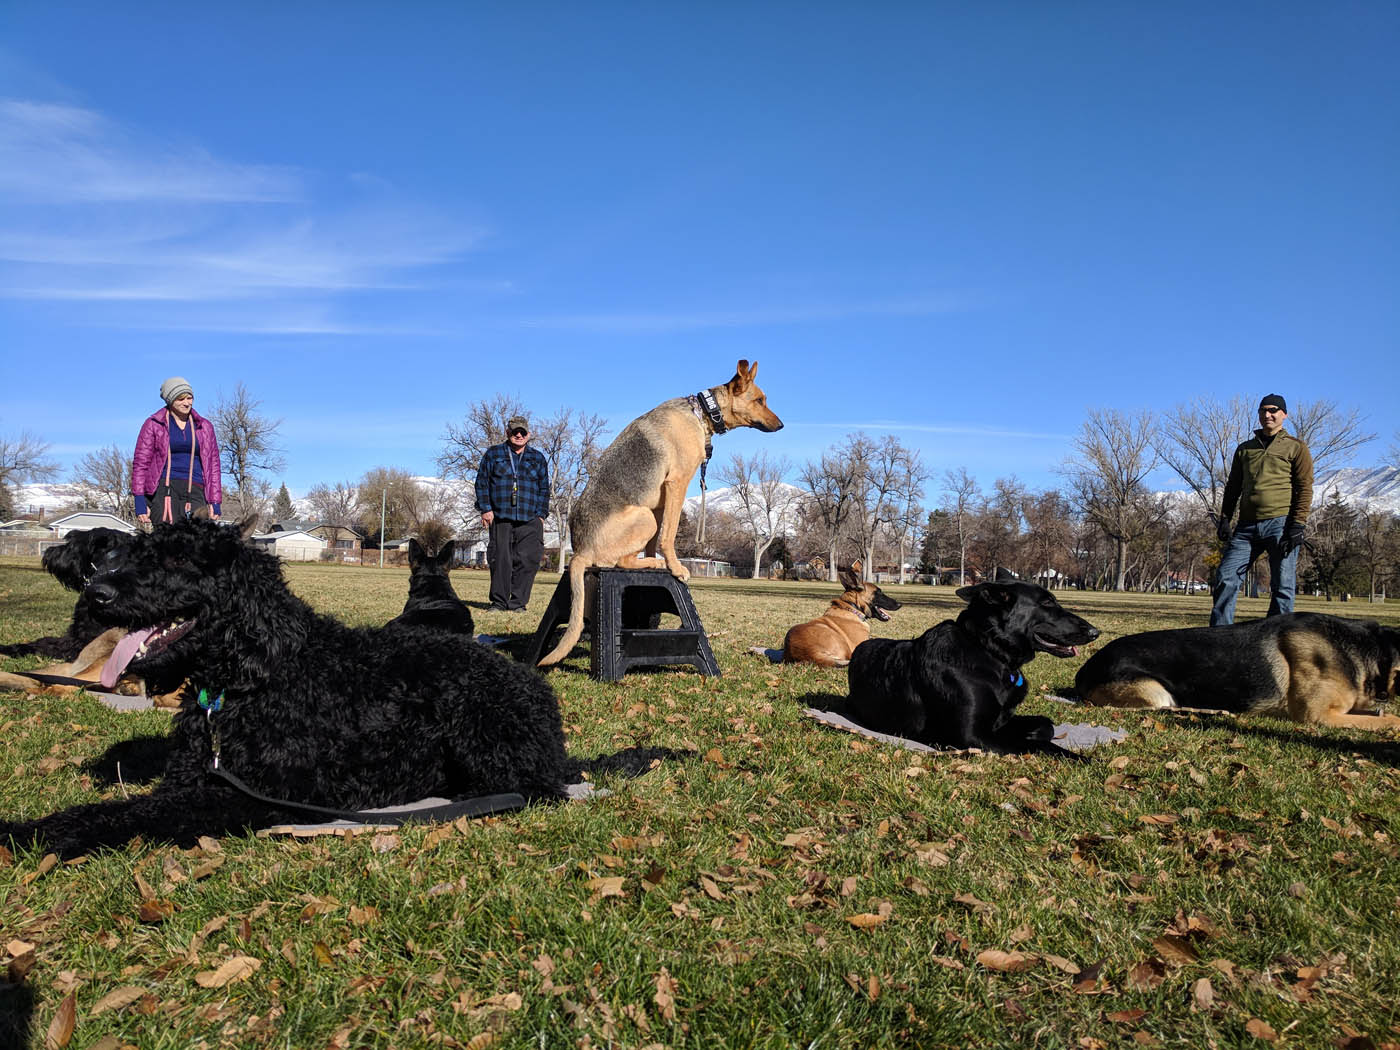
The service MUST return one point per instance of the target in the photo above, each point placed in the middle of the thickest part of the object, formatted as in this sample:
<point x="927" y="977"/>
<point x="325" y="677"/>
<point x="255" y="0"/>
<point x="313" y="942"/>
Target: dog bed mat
<point x="580" y="792"/>
<point x="774" y="656"/>
<point x="1071" y="736"/>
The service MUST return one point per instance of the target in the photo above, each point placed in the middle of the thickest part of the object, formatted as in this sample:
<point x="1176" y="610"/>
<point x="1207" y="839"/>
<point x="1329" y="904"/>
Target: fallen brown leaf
<point x="117" y="998"/>
<point x="64" y="1021"/>
<point x="1260" y="1030"/>
<point x="1006" y="962"/>
<point x="665" y="997"/>
<point x="239" y="968"/>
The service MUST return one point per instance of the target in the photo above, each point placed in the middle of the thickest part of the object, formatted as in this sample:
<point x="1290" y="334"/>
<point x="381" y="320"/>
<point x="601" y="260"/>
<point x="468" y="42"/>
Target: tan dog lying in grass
<point x="85" y="672"/>
<point x="635" y="492"/>
<point x="829" y="640"/>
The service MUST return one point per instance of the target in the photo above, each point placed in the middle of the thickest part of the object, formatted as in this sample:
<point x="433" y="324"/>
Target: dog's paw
<point x="679" y="571"/>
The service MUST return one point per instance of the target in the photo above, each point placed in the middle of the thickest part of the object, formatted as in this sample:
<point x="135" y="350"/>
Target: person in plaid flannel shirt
<point x="512" y="493"/>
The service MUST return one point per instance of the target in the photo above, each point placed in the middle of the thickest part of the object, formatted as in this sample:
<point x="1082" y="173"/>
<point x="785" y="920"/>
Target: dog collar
<point x="862" y="617"/>
<point x="1017" y="679"/>
<point x="710" y="404"/>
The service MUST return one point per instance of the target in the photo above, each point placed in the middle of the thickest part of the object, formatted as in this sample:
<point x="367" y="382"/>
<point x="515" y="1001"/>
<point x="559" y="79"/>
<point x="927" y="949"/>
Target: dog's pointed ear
<point x="989" y="593"/>
<point x="743" y="377"/>
<point x="850" y="576"/>
<point x="416" y="553"/>
<point x="248" y="526"/>
<point x="444" y="554"/>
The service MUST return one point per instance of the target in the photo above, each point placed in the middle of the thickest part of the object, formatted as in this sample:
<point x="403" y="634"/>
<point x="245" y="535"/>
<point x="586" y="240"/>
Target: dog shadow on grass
<point x="139" y="760"/>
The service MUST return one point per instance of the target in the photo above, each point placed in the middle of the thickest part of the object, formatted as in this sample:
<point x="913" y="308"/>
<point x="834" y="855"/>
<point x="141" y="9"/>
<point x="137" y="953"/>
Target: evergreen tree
<point x="282" y="509"/>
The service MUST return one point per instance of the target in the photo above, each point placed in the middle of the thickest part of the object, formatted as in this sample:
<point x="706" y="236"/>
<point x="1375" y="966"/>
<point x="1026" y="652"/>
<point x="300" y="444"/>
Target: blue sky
<point x="966" y="225"/>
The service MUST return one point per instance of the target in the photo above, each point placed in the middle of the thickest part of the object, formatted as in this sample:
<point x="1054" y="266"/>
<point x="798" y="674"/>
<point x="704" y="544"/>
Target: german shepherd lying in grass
<point x="958" y="684"/>
<point x="1308" y="667"/>
<point x="431" y="600"/>
<point x="829" y="640"/>
<point x="635" y="492"/>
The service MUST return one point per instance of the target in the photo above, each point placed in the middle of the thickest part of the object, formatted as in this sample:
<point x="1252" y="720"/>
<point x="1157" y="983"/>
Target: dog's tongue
<point x="123" y="654"/>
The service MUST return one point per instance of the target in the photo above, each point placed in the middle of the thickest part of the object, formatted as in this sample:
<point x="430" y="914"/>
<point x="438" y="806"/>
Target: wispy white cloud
<point x="949" y="429"/>
<point x="648" y="323"/>
<point x="57" y="153"/>
<point x="93" y="212"/>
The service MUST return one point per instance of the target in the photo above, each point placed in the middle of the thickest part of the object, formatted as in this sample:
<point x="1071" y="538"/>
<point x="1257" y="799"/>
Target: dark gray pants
<point x="513" y="550"/>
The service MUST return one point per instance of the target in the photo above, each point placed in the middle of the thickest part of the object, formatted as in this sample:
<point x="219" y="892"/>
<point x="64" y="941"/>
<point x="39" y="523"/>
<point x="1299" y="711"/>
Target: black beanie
<point x="1276" y="400"/>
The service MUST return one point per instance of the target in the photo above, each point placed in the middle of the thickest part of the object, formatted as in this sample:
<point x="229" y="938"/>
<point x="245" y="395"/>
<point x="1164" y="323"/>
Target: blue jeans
<point x="1245" y="545"/>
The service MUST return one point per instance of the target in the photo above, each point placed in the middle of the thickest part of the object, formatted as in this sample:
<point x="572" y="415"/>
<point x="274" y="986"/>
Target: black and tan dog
<point x="829" y="640"/>
<point x="959" y="683"/>
<point x="636" y="490"/>
<point x="1308" y="667"/>
<point x="431" y="600"/>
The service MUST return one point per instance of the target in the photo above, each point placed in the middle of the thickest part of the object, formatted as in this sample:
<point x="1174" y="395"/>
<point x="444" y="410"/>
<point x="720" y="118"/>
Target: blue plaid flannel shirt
<point x="494" y="481"/>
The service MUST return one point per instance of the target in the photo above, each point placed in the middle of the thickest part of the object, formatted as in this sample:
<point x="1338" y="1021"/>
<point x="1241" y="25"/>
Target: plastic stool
<point x="627" y="607"/>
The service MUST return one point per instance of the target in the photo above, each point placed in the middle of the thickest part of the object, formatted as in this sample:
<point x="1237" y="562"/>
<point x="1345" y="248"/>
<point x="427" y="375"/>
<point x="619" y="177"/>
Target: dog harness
<point x="706" y="408"/>
<point x="481" y="806"/>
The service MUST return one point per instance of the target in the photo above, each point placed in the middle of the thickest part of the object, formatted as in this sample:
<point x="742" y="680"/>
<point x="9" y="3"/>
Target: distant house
<point x="90" y="519"/>
<point x="297" y="545"/>
<point x="345" y="541"/>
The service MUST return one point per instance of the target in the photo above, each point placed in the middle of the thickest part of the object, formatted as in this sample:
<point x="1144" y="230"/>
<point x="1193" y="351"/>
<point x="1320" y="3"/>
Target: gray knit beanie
<point x="174" y="387"/>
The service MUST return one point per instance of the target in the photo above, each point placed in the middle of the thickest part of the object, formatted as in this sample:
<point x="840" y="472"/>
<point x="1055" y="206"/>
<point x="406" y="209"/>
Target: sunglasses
<point x="518" y="432"/>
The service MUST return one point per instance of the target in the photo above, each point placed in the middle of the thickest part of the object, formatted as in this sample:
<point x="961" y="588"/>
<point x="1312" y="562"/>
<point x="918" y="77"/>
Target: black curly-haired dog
<point x="72" y="564"/>
<point x="296" y="704"/>
<point x="431" y="600"/>
<point x="959" y="683"/>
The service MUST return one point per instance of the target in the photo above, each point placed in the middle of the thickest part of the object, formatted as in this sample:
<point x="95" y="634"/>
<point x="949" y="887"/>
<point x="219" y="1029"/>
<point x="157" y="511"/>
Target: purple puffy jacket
<point x="153" y="449"/>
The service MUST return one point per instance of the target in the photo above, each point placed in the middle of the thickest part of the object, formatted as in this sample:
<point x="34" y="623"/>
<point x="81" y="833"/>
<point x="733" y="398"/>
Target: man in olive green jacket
<point x="1271" y="480"/>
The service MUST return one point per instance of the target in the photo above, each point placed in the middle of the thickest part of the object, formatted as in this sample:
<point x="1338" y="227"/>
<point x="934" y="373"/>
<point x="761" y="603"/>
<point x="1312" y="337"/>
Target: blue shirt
<point x="515" y="487"/>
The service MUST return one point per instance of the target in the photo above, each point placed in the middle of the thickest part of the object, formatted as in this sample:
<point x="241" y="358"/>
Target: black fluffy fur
<point x="313" y="711"/>
<point x="959" y="683"/>
<point x="431" y="600"/>
<point x="72" y="564"/>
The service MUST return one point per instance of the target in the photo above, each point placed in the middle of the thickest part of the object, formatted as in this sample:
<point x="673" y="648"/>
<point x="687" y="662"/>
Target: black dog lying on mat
<point x="72" y="564"/>
<point x="431" y="600"/>
<point x="305" y="710"/>
<point x="958" y="684"/>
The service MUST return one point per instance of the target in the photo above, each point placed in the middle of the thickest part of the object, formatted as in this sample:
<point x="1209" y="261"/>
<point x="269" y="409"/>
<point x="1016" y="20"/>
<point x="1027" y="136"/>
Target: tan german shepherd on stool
<point x="635" y="493"/>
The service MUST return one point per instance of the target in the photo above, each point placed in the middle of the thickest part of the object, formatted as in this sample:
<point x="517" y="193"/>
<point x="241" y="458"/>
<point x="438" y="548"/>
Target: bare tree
<point x="570" y="441"/>
<point x="248" y="449"/>
<point x="830" y="485"/>
<point x="1049" y="531"/>
<point x="765" y="505"/>
<point x="908" y="519"/>
<point x="881" y="470"/>
<point x="483" y="425"/>
<point x="407" y="504"/>
<point x="1115" y="454"/>
<point x="961" y="499"/>
<point x="1198" y="441"/>
<point x="103" y="479"/>
<point x="1330" y="432"/>
<point x="23" y="459"/>
<point x="1377" y="543"/>
<point x="335" y="505"/>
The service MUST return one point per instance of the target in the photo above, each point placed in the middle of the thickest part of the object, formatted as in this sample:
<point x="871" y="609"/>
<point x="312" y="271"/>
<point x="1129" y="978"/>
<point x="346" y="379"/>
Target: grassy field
<point x="1206" y="883"/>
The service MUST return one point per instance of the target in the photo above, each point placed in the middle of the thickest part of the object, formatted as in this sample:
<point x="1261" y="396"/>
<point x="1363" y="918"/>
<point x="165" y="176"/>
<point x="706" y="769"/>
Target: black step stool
<point x="626" y="612"/>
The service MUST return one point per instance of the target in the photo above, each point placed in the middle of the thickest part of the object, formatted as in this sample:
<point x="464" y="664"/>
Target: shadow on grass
<point x="139" y="760"/>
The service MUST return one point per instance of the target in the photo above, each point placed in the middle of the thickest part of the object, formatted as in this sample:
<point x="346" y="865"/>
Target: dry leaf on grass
<point x="117" y="998"/>
<point x="869" y="920"/>
<point x="608" y="886"/>
<point x="1006" y="962"/>
<point x="1260" y="1030"/>
<point x="61" y="1027"/>
<point x="239" y="968"/>
<point x="665" y="997"/>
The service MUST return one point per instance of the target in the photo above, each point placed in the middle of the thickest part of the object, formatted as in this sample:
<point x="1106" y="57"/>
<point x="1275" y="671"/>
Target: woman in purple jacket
<point x="175" y="472"/>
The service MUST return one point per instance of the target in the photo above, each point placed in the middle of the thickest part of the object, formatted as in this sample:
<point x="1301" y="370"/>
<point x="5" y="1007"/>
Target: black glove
<point x="1222" y="529"/>
<point x="1293" y="534"/>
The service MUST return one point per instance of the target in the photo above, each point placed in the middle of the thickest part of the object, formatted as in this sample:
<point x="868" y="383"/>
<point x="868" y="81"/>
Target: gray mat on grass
<point x="1073" y="737"/>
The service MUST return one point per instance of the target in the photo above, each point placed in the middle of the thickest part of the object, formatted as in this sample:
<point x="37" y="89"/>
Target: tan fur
<point x="612" y="533"/>
<point x="85" y="667"/>
<point x="1140" y="692"/>
<point x="830" y="639"/>
<point x="1319" y="690"/>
